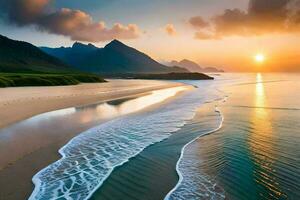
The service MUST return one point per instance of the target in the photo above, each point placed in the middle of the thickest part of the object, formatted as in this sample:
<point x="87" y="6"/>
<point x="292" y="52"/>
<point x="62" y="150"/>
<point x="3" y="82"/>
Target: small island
<point x="170" y="76"/>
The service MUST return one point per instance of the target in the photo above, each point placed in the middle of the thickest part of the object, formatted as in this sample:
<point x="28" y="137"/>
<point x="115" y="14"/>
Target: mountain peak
<point x="91" y="45"/>
<point x="186" y="61"/>
<point x="195" y="67"/>
<point x="77" y="44"/>
<point x="83" y="47"/>
<point x="115" y="43"/>
<point x="187" y="64"/>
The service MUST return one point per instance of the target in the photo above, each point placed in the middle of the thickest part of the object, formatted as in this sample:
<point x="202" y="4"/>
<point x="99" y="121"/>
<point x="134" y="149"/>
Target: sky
<point x="226" y="34"/>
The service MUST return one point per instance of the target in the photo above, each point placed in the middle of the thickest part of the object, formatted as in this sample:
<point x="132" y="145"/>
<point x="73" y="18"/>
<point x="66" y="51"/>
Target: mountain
<point x="114" y="58"/>
<point x="71" y="55"/>
<point x="193" y="67"/>
<point x="187" y="64"/>
<point x="18" y="56"/>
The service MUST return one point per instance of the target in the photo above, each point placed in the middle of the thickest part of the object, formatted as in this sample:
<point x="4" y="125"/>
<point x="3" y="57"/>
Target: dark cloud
<point x="23" y="12"/>
<point x="261" y="17"/>
<point x="75" y="24"/>
<point x="275" y="8"/>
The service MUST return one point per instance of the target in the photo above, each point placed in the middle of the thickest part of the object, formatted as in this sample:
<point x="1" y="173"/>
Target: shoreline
<point x="164" y="155"/>
<point x="177" y="168"/>
<point x="18" y="174"/>
<point x="19" y="103"/>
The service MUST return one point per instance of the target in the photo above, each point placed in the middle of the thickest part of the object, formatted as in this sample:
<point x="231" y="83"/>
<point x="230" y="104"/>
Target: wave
<point x="88" y="159"/>
<point x="182" y="193"/>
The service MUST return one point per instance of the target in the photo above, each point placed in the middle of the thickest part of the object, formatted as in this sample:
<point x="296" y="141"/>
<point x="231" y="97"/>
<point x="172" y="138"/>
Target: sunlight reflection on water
<point x="262" y="141"/>
<point x="61" y="125"/>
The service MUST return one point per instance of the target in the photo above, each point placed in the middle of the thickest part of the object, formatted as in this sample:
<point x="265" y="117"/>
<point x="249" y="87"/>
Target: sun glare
<point x="260" y="58"/>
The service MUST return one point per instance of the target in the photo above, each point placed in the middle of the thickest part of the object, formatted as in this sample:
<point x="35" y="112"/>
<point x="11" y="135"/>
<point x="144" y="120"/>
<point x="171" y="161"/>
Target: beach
<point x="28" y="144"/>
<point x="22" y="102"/>
<point x="147" y="100"/>
<point x="169" y="143"/>
<point x="90" y="159"/>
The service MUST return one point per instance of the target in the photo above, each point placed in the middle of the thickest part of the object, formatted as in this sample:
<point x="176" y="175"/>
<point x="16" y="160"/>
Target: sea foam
<point x="193" y="183"/>
<point x="88" y="159"/>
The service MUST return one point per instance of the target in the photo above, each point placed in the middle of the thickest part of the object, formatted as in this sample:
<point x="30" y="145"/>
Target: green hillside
<point x="18" y="56"/>
<point x="24" y="79"/>
<point x="23" y="64"/>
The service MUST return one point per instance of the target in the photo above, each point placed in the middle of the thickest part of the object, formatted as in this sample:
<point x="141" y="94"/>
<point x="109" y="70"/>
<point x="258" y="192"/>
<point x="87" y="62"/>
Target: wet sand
<point x="23" y="102"/>
<point x="38" y="146"/>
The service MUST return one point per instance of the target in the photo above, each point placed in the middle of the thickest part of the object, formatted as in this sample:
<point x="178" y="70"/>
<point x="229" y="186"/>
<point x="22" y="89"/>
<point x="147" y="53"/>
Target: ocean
<point x="255" y="154"/>
<point x="232" y="138"/>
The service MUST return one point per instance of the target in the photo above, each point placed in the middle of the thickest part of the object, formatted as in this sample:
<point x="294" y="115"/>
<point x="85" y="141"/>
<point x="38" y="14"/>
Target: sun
<point x="259" y="58"/>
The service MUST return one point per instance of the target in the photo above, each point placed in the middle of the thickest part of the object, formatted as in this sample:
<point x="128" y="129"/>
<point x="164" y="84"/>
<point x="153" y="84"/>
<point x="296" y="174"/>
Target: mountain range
<point x="114" y="58"/>
<point x="19" y="56"/>
<point x="192" y="66"/>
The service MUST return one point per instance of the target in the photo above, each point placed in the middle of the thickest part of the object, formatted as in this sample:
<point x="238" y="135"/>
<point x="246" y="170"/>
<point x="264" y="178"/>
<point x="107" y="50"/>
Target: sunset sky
<point x="225" y="34"/>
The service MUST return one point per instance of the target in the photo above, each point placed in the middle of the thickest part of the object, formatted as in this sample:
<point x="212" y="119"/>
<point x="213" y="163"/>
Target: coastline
<point x="20" y="103"/>
<point x="155" y="170"/>
<point x="180" y="175"/>
<point x="18" y="174"/>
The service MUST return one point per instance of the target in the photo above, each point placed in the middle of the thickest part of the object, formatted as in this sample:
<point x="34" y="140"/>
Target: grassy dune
<point x="40" y="79"/>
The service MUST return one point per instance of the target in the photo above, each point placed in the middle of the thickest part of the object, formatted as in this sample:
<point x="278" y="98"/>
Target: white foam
<point x="88" y="159"/>
<point x="192" y="183"/>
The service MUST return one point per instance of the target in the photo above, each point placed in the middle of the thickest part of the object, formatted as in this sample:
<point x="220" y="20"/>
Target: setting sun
<point x="186" y="95"/>
<point x="259" y="58"/>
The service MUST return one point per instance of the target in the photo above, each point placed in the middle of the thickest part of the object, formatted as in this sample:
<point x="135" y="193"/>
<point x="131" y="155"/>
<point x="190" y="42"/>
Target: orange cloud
<point x="198" y="22"/>
<point x="75" y="24"/>
<point x="261" y="17"/>
<point x="170" y="30"/>
<point x="201" y="35"/>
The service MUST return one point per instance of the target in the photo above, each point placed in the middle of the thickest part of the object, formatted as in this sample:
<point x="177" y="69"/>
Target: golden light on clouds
<point x="257" y="35"/>
<point x="170" y="30"/>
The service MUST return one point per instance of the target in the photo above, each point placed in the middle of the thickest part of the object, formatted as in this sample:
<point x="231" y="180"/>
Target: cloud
<point x="261" y="17"/>
<point x="198" y="22"/>
<point x="23" y="12"/>
<point x="75" y="24"/>
<point x="201" y="35"/>
<point x="170" y="30"/>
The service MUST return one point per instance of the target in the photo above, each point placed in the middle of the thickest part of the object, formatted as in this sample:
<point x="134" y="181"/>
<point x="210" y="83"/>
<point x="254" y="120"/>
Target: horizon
<point x="160" y="100"/>
<point x="233" y="31"/>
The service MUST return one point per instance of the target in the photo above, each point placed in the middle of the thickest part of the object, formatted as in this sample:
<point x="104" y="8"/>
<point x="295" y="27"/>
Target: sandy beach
<point x="28" y="146"/>
<point x="23" y="102"/>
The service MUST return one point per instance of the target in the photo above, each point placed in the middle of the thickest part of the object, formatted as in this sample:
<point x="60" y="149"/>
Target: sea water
<point x="256" y="153"/>
<point x="250" y="153"/>
<point x="88" y="159"/>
